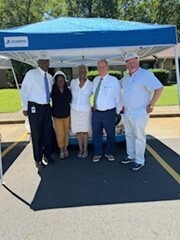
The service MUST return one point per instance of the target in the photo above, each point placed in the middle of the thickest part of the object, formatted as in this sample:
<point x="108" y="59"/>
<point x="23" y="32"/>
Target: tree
<point x="21" y="12"/>
<point x="151" y="11"/>
<point x="92" y="8"/>
<point x="18" y="13"/>
<point x="55" y="9"/>
<point x="165" y="12"/>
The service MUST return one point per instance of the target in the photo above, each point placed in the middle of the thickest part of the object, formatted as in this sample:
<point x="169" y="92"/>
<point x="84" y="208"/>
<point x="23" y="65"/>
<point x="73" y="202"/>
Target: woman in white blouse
<point x="81" y="89"/>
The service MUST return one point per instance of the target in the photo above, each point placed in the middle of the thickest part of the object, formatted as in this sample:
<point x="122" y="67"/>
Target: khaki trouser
<point x="62" y="131"/>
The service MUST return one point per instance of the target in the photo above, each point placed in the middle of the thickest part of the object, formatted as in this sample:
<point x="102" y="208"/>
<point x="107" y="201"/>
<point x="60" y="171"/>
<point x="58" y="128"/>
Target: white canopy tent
<point x="74" y="41"/>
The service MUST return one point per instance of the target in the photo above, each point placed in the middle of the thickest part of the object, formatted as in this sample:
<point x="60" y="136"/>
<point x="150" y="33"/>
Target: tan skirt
<point x="80" y="121"/>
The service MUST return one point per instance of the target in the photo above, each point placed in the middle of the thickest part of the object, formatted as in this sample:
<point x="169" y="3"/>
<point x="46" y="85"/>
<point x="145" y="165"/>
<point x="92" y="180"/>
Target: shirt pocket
<point x="86" y="92"/>
<point x="108" y="90"/>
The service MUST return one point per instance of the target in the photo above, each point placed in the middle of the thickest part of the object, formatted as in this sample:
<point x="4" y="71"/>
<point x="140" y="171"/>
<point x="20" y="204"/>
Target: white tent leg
<point x="177" y="72"/>
<point x="17" y="85"/>
<point x="1" y="168"/>
<point x="15" y="78"/>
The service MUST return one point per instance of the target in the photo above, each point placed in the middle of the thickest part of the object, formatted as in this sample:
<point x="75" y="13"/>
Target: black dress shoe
<point x="40" y="165"/>
<point x="47" y="161"/>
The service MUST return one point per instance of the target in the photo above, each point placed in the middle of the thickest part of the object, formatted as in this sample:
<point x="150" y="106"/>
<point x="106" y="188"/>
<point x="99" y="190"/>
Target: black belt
<point x="38" y="104"/>
<point x="105" y="110"/>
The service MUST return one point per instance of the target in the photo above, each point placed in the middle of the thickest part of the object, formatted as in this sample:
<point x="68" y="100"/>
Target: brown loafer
<point x="110" y="157"/>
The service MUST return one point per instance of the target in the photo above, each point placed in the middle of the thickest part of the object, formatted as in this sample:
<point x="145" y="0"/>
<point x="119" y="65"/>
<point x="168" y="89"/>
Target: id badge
<point x="33" y="109"/>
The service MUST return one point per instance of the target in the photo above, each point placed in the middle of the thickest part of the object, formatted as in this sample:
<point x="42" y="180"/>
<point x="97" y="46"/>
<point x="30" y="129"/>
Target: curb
<point x="163" y="115"/>
<point x="11" y="122"/>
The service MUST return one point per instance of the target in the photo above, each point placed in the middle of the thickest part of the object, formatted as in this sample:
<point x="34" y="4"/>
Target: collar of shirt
<point x="43" y="72"/>
<point x="78" y="80"/>
<point x="104" y="76"/>
<point x="135" y="72"/>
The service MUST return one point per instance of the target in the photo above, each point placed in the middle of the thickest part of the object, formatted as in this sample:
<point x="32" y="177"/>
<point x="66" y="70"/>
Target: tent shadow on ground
<point x="9" y="159"/>
<point x="80" y="182"/>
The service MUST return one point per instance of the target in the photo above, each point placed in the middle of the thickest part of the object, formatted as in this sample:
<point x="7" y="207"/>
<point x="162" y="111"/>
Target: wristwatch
<point x="151" y="106"/>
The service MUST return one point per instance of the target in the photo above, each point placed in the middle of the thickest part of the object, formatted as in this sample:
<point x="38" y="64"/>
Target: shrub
<point x="161" y="74"/>
<point x="10" y="80"/>
<point x="92" y="74"/>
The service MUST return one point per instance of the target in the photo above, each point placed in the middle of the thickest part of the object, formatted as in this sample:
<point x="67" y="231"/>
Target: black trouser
<point x="41" y="129"/>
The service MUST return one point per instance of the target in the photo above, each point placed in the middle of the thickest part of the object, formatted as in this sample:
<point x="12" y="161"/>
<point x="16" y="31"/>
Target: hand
<point x="25" y="112"/>
<point x="118" y="119"/>
<point x="122" y="110"/>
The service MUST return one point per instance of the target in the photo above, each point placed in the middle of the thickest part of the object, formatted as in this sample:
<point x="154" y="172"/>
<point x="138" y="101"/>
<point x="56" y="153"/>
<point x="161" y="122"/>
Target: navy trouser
<point x="106" y="120"/>
<point x="41" y="129"/>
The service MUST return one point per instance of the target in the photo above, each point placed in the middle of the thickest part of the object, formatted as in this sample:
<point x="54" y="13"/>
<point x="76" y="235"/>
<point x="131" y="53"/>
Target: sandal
<point x="66" y="154"/>
<point x="80" y="154"/>
<point x="85" y="154"/>
<point x="61" y="155"/>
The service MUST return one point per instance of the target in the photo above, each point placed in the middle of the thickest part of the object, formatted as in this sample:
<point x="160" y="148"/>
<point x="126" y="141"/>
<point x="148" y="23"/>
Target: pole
<point x="177" y="72"/>
<point x="1" y="168"/>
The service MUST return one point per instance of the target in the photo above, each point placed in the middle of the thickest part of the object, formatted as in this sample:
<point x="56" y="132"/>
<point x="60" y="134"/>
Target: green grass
<point x="169" y="96"/>
<point x="10" y="100"/>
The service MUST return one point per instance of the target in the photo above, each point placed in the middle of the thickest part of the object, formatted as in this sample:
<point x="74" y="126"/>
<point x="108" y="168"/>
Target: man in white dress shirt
<point x="35" y="92"/>
<point x="141" y="90"/>
<point x="107" y="102"/>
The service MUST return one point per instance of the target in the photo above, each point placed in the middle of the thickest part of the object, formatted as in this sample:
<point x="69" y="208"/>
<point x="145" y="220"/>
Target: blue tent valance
<point x="72" y="41"/>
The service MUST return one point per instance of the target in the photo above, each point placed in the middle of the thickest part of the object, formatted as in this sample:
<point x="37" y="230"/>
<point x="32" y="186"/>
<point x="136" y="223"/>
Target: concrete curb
<point x="11" y="122"/>
<point x="160" y="115"/>
<point x="164" y="115"/>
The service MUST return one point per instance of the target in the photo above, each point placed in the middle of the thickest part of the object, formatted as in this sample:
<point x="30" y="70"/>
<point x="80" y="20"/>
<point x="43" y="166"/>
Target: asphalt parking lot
<point x="79" y="199"/>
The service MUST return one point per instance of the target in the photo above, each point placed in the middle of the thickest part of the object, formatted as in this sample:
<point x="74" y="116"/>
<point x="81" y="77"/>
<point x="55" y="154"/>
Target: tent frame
<point x="1" y="167"/>
<point x="177" y="72"/>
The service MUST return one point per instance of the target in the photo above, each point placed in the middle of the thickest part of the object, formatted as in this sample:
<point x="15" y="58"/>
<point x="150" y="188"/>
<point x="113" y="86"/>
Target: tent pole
<point x="1" y="168"/>
<point x="177" y="72"/>
<point x="15" y="78"/>
<point x="17" y="85"/>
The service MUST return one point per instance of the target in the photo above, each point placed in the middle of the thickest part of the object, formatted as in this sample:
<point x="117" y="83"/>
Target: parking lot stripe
<point x="24" y="135"/>
<point x="164" y="164"/>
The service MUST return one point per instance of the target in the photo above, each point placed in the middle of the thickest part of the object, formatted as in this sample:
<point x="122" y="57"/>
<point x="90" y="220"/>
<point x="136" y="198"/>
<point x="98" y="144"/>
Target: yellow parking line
<point x="24" y="135"/>
<point x="164" y="164"/>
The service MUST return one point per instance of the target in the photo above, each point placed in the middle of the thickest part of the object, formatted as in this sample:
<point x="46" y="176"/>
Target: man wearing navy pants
<point x="107" y="102"/>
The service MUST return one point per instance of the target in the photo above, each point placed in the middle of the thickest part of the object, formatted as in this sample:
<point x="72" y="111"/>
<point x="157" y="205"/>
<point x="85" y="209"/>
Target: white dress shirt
<point x="109" y="95"/>
<point x="33" y="87"/>
<point x="80" y="96"/>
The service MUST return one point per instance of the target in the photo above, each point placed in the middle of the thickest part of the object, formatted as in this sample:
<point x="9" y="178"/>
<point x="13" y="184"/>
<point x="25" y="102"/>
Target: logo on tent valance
<point x="10" y="42"/>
